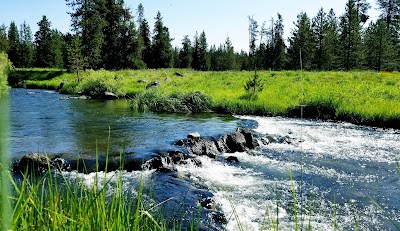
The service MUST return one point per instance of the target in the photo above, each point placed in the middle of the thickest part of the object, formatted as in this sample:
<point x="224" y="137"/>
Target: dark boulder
<point x="180" y="143"/>
<point x="177" y="157"/>
<point x="232" y="159"/>
<point x="222" y="146"/>
<point x="251" y="142"/>
<point x="154" y="163"/>
<point x="202" y="147"/>
<point x="179" y="74"/>
<point x="208" y="203"/>
<point x="36" y="164"/>
<point x="152" y="84"/>
<point x="219" y="218"/>
<point x="236" y="142"/>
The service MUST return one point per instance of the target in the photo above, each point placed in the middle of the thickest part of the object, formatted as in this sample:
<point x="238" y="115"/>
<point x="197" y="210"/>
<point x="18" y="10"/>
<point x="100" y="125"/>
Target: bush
<point x="98" y="82"/>
<point x="195" y="102"/>
<point x="69" y="88"/>
<point x="5" y="69"/>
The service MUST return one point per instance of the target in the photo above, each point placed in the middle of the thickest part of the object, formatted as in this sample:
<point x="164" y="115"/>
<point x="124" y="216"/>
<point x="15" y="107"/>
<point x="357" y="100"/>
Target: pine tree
<point x="330" y="44"/>
<point x="175" y="58"/>
<point x="390" y="12"/>
<point x="116" y="19"/>
<point x="140" y="14"/>
<point x="253" y="34"/>
<point x="279" y="47"/>
<point x="301" y="43"/>
<point x="186" y="53"/>
<point x="319" y="29"/>
<point x="43" y="43"/>
<point x="362" y="7"/>
<point x="77" y="61"/>
<point x="229" y="55"/>
<point x="161" y="45"/>
<point x="204" y="60"/>
<point x="145" y="38"/>
<point x="27" y="48"/>
<point x="196" y="52"/>
<point x="56" y="49"/>
<point x="88" y="21"/>
<point x="3" y="39"/>
<point x="14" y="45"/>
<point x="350" y="37"/>
<point x="132" y="48"/>
<point x="379" y="47"/>
<point x="67" y="41"/>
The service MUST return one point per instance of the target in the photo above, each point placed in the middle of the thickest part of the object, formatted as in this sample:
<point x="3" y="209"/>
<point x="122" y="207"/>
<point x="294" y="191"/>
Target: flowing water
<point x="338" y="169"/>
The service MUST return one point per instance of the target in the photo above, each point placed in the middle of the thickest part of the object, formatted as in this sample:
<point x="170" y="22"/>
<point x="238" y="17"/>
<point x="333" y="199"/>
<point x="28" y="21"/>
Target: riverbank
<point x="362" y="97"/>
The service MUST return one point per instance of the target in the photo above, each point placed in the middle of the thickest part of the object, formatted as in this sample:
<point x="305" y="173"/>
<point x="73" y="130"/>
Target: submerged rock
<point x="239" y="141"/>
<point x="37" y="164"/>
<point x="194" y="136"/>
<point x="166" y="162"/>
<point x="232" y="159"/>
<point x="269" y="139"/>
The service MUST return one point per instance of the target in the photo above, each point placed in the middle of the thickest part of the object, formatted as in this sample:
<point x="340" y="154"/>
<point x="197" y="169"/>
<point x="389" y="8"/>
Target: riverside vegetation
<point x="361" y="97"/>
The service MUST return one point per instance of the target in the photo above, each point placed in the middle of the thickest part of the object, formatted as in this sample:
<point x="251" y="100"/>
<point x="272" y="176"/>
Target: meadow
<point x="360" y="97"/>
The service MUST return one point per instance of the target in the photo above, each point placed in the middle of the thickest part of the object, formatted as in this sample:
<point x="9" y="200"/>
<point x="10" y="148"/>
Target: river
<point x="337" y="168"/>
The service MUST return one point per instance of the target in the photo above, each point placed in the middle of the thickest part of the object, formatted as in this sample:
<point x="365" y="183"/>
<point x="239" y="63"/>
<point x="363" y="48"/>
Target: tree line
<point x="106" y="34"/>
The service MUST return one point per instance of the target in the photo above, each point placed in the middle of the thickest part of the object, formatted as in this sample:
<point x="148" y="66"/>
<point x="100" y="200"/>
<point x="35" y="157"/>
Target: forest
<point x="106" y="34"/>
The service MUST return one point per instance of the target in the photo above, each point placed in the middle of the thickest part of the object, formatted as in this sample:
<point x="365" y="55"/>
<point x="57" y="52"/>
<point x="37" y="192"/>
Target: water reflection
<point x="43" y="122"/>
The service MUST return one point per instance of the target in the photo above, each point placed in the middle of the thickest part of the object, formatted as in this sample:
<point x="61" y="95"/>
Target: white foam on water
<point x="247" y="197"/>
<point x="130" y="180"/>
<point x="336" y="140"/>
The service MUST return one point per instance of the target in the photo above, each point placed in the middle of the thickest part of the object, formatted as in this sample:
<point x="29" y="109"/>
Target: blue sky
<point x="218" y="18"/>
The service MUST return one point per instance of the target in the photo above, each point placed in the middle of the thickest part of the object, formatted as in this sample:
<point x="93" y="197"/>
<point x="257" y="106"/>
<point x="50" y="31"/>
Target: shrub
<point x="96" y="83"/>
<point x="5" y="69"/>
<point x="195" y="102"/>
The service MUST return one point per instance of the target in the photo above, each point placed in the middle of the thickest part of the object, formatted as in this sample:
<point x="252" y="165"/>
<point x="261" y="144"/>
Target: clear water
<point x="337" y="168"/>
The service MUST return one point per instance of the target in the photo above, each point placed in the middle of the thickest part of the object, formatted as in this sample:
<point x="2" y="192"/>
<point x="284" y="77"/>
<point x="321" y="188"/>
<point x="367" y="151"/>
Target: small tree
<point x="254" y="85"/>
<point x="76" y="60"/>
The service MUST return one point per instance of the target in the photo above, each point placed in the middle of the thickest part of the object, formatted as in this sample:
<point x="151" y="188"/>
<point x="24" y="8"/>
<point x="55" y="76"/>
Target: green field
<point x="361" y="97"/>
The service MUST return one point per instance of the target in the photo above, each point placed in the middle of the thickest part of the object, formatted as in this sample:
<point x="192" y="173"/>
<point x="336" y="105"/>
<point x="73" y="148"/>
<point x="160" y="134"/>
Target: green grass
<point x="53" y="203"/>
<point x="363" y="97"/>
<point x="5" y="68"/>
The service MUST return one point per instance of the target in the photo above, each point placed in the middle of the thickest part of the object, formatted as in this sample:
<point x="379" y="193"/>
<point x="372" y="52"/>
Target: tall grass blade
<point x="296" y="219"/>
<point x="386" y="214"/>
<point x="5" y="208"/>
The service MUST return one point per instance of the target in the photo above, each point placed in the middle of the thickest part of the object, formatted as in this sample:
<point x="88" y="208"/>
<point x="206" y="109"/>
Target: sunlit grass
<point x="363" y="97"/>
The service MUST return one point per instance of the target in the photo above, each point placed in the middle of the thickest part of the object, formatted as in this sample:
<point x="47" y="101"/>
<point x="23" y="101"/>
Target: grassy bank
<point x="365" y="97"/>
